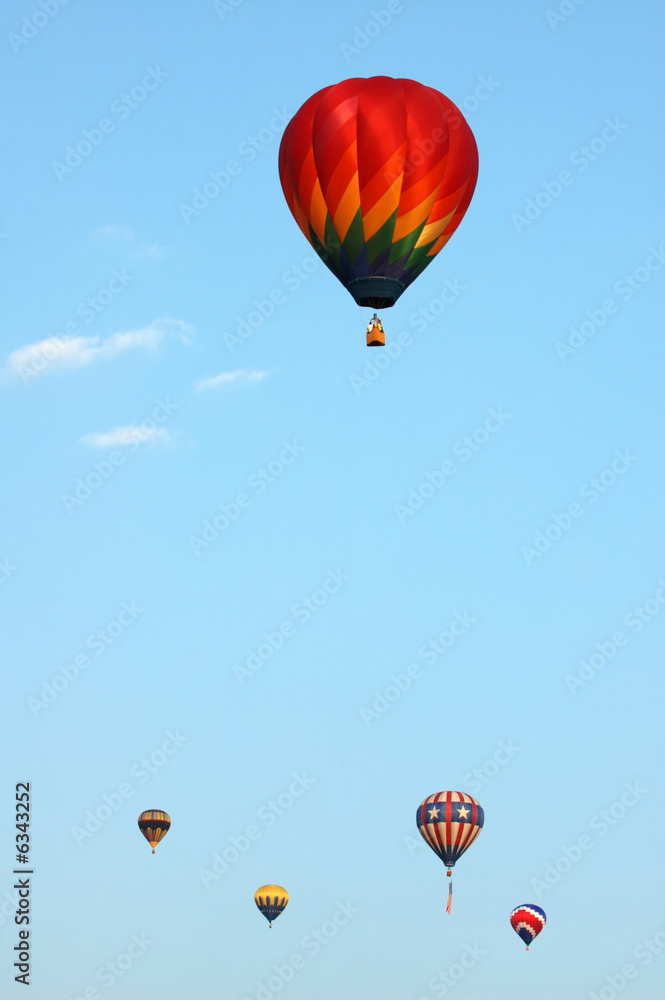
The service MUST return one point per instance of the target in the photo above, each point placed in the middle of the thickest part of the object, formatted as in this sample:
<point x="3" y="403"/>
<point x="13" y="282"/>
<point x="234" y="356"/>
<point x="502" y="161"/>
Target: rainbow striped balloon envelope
<point x="378" y="174"/>
<point x="528" y="921"/>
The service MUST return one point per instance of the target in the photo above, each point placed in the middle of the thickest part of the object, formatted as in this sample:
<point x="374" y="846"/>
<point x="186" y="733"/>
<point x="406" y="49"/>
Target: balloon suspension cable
<point x="449" y="904"/>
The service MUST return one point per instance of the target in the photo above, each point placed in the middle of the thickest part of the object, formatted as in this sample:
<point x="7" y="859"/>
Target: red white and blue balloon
<point x="528" y="921"/>
<point x="450" y="822"/>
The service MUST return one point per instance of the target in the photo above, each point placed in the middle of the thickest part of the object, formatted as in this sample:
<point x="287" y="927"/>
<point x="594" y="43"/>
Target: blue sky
<point x="137" y="413"/>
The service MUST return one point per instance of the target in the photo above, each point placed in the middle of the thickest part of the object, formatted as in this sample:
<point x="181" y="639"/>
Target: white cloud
<point x="119" y="437"/>
<point x="123" y="234"/>
<point x="225" y="378"/>
<point x="57" y="353"/>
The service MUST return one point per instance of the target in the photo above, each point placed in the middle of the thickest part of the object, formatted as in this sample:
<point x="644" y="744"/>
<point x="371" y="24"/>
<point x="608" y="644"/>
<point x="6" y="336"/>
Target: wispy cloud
<point x="226" y="378"/>
<point x="123" y="234"/>
<point x="57" y="353"/>
<point x="119" y="437"/>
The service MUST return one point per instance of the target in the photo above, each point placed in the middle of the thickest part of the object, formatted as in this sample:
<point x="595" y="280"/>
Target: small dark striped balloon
<point x="154" y="825"/>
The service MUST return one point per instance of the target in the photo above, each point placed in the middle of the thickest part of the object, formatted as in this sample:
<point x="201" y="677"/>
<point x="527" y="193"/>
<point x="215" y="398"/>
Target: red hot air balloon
<point x="378" y="174"/>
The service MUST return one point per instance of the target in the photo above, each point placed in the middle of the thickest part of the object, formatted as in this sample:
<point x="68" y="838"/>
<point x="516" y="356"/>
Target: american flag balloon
<point x="449" y="822"/>
<point x="528" y="921"/>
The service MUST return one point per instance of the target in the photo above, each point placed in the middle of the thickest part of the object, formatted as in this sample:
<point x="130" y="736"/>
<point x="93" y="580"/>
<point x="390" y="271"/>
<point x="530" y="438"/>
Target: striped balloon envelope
<point x="528" y="921"/>
<point x="450" y="822"/>
<point x="378" y="174"/>
<point x="154" y="825"/>
<point x="271" y="901"/>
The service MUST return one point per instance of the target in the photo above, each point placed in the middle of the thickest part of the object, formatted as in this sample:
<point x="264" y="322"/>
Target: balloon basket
<point x="376" y="338"/>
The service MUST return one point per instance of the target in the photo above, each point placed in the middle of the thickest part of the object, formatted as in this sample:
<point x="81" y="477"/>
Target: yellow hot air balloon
<point x="271" y="900"/>
<point x="154" y="825"/>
